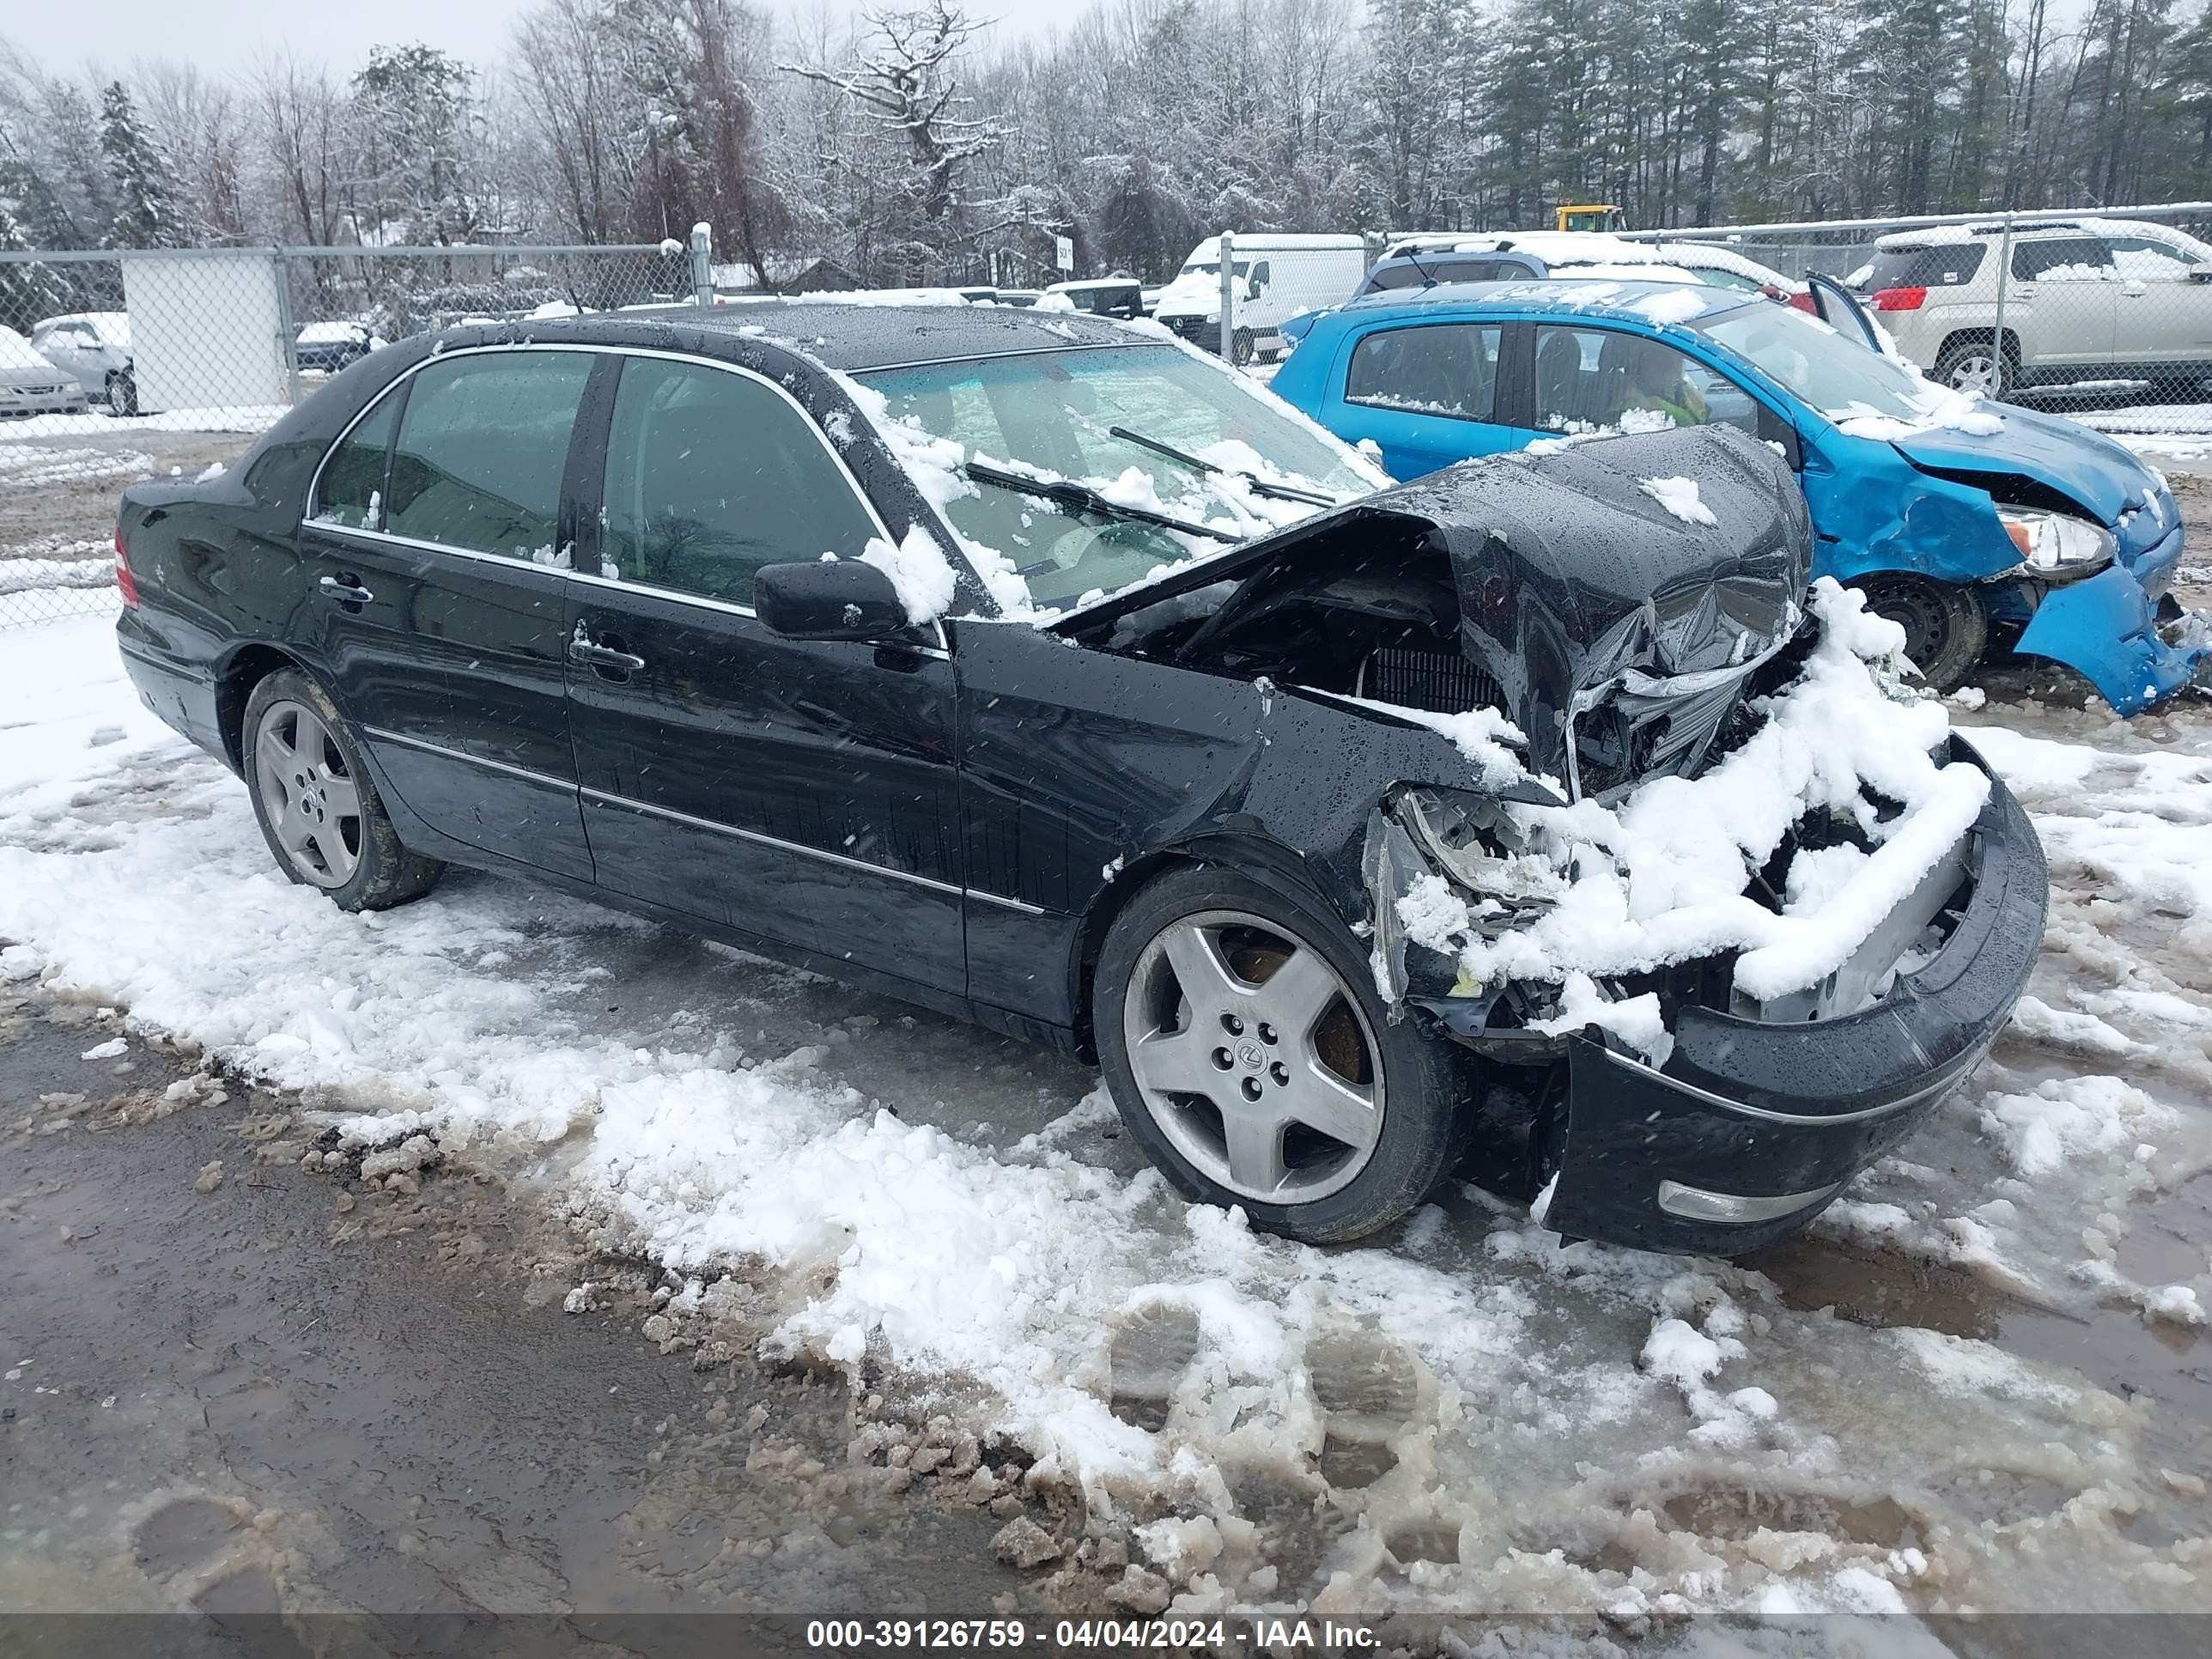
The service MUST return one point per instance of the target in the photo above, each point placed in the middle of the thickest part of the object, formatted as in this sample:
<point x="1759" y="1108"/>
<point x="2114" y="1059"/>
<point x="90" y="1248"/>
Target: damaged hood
<point x="1572" y="573"/>
<point x="2104" y="475"/>
<point x="1670" y="556"/>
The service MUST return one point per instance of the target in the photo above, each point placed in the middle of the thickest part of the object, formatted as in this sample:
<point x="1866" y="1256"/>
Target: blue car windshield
<point x="1838" y="377"/>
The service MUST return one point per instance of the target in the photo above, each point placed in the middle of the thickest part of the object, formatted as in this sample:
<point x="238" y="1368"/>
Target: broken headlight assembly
<point x="1469" y="843"/>
<point x="2057" y="546"/>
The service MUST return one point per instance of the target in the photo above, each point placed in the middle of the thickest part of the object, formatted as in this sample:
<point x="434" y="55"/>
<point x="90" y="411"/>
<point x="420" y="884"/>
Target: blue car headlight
<point x="2056" y="543"/>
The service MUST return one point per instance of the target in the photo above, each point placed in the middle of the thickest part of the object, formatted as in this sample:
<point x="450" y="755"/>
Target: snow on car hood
<point x="2094" y="469"/>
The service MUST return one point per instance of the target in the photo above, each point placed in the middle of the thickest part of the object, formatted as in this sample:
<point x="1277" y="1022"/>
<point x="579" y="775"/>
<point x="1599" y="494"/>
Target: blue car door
<point x="1425" y="393"/>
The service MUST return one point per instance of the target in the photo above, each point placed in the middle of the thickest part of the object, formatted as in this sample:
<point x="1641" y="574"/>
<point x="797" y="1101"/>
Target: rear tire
<point x="1321" y="1045"/>
<point x="1946" y="629"/>
<point x="316" y="804"/>
<point x="122" y="394"/>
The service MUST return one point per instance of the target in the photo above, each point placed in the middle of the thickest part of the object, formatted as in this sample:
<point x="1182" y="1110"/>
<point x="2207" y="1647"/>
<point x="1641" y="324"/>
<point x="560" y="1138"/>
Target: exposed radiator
<point x="1443" y="681"/>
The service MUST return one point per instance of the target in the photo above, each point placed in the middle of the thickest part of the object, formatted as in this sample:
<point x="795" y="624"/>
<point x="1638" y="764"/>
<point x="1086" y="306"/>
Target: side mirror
<point x="1252" y="292"/>
<point x="829" y="599"/>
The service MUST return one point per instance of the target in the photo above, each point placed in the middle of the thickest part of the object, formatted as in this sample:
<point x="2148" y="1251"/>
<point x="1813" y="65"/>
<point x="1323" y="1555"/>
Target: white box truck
<point x="1273" y="277"/>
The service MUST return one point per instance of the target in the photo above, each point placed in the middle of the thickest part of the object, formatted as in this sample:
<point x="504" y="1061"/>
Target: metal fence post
<point x="288" y="335"/>
<point x="1228" y="303"/>
<point x="702" y="265"/>
<point x="2004" y="281"/>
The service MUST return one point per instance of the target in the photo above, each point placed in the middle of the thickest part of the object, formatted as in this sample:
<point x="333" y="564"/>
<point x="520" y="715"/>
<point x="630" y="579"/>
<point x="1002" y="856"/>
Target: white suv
<point x="2089" y="302"/>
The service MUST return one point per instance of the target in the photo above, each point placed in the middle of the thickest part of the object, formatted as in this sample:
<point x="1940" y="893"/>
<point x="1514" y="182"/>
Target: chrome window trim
<point x="942" y="648"/>
<point x="1026" y="351"/>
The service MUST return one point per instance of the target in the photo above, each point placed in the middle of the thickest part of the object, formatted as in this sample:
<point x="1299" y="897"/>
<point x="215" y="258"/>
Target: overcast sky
<point x="229" y="35"/>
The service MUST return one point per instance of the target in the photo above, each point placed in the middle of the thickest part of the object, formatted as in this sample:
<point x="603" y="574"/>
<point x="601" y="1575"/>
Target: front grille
<point x="1198" y="330"/>
<point x="1442" y="681"/>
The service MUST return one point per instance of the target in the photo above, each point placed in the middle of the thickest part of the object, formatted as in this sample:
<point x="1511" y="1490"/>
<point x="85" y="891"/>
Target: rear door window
<point x="711" y="475"/>
<point x="481" y="450"/>
<point x="2063" y="259"/>
<point x="351" y="493"/>
<point x="1435" y="368"/>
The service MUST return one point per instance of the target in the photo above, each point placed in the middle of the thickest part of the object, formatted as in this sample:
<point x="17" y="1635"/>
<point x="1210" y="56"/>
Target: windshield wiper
<point x="1083" y="495"/>
<point x="1260" y="486"/>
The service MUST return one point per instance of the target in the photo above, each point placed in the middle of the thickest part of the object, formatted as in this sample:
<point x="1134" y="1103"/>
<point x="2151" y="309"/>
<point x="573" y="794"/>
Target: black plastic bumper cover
<point x="1759" y="1110"/>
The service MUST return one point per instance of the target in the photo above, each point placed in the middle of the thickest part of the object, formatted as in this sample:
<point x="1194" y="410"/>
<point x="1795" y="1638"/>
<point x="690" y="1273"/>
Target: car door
<point x="2163" y="311"/>
<point x="70" y="347"/>
<point x="1839" y="308"/>
<point x="1426" y="394"/>
<point x="798" y="792"/>
<point x="434" y="596"/>
<point x="2063" y="303"/>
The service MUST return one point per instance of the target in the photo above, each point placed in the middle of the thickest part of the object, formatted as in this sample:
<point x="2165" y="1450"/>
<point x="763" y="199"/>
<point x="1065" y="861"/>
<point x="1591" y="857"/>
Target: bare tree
<point x="300" y="132"/>
<point x="903" y="75"/>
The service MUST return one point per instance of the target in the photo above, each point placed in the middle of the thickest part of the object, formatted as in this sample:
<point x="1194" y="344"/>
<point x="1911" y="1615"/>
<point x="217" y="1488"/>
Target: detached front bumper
<point x="2106" y="629"/>
<point x="1752" y="1127"/>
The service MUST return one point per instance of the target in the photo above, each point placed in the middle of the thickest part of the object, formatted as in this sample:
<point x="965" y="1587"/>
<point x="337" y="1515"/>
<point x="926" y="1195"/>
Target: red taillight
<point x="123" y="583"/>
<point x="1899" y="299"/>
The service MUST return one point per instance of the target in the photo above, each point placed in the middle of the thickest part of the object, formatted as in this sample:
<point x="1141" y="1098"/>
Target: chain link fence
<point x="2103" y="315"/>
<point x="117" y="367"/>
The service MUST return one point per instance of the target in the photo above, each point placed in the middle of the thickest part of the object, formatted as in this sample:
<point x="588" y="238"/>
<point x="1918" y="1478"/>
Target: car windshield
<point x="1213" y="268"/>
<point x="1051" y="416"/>
<point x="1836" y="376"/>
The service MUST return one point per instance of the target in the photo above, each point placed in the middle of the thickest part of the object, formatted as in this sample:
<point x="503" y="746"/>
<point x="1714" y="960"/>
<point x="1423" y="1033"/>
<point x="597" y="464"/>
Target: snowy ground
<point x="1981" y="1384"/>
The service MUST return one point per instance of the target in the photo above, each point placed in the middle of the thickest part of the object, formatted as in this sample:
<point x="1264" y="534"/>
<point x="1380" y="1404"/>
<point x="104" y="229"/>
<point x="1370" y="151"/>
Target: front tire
<point x="1946" y="629"/>
<point x="1240" y="347"/>
<point x="122" y="394"/>
<point x="1242" y="1036"/>
<point x="316" y="804"/>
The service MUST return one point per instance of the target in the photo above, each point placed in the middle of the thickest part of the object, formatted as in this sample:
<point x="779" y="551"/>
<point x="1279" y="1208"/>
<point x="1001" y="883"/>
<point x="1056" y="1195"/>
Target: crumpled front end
<point x="2108" y="628"/>
<point x="1761" y="1107"/>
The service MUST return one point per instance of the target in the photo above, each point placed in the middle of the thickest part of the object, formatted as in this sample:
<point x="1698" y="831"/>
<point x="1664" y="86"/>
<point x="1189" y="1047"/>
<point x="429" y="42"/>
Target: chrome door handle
<point x="584" y="648"/>
<point x="345" y="590"/>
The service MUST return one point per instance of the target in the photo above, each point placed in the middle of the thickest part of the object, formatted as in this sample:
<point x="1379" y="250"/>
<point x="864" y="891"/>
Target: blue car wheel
<point x="1946" y="629"/>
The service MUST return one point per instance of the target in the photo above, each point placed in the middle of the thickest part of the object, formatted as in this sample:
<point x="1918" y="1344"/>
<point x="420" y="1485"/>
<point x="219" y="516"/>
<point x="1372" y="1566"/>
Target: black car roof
<point x="852" y="337"/>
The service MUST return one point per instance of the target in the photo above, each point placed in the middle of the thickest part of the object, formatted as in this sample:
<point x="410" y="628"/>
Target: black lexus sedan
<point x="1037" y="670"/>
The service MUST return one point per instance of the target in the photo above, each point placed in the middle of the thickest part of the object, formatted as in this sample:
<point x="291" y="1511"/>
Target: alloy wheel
<point x="312" y="800"/>
<point x="1979" y="371"/>
<point x="1253" y="1057"/>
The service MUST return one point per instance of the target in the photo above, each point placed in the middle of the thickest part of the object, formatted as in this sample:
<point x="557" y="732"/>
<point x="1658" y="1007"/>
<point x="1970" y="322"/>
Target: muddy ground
<point x="235" y="1386"/>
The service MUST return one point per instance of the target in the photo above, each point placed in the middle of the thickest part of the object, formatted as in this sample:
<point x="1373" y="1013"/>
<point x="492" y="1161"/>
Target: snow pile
<point x="1941" y="409"/>
<point x="1660" y="879"/>
<point x="1680" y="497"/>
<point x="1585" y="1430"/>
<point x="919" y="573"/>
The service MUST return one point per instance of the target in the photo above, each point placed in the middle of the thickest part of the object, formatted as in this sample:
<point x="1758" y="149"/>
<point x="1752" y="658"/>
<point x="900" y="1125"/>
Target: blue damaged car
<point x="1971" y="524"/>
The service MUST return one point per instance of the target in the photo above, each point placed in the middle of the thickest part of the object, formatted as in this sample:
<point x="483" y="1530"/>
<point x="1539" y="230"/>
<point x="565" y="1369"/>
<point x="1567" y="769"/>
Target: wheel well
<point x="1250" y="855"/>
<point x="248" y="666"/>
<point x="1966" y="336"/>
